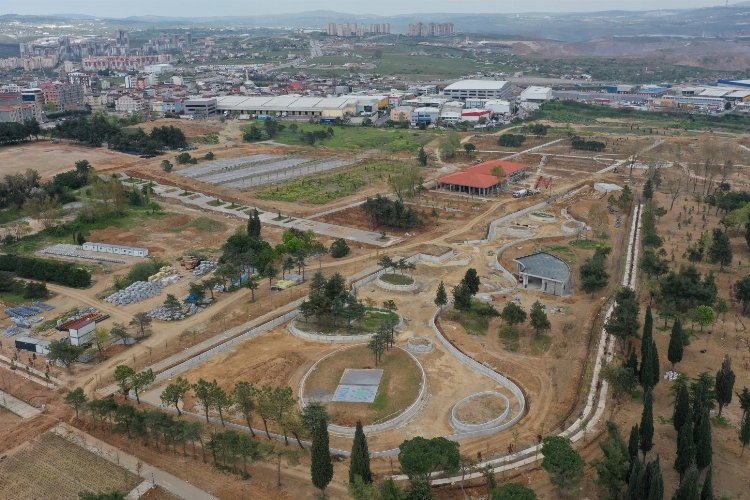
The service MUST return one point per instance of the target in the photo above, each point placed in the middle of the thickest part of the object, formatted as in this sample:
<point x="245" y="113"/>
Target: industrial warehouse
<point x="290" y="106"/>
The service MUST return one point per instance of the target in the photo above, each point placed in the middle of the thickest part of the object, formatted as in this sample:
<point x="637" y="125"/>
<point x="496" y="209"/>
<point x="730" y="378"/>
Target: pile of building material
<point x="164" y="313"/>
<point x="204" y="267"/>
<point x="137" y="292"/>
<point x="165" y="276"/>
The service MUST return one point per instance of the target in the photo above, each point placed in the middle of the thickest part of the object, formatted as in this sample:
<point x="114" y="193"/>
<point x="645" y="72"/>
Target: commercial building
<point x="536" y="94"/>
<point x="201" y="106"/>
<point x="498" y="106"/>
<point x="735" y="83"/>
<point x="425" y="115"/>
<point x="484" y="179"/>
<point x="91" y="246"/>
<point x="692" y="101"/>
<point x="401" y="113"/>
<point x="544" y="272"/>
<point x="478" y="89"/>
<point x="289" y="106"/>
<point x="476" y="115"/>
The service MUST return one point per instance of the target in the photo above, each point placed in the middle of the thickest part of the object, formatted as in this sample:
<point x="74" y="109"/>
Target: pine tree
<point x="744" y="433"/>
<point x="656" y="482"/>
<point x="633" y="445"/>
<point x="724" y="383"/>
<point x="441" y="297"/>
<point x="685" y="449"/>
<point x="321" y="467"/>
<point x="676" y="343"/>
<point x="422" y="157"/>
<point x="360" y="458"/>
<point x="688" y="489"/>
<point x="612" y="469"/>
<point x="703" y="448"/>
<point x="471" y="278"/>
<point x="646" y="429"/>
<point x="707" y="492"/>
<point x="682" y="413"/>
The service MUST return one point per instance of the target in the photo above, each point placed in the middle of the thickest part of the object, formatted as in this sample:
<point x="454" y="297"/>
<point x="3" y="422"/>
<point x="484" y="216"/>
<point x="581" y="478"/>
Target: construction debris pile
<point x="137" y="292"/>
<point x="167" y="275"/>
<point x="205" y="267"/>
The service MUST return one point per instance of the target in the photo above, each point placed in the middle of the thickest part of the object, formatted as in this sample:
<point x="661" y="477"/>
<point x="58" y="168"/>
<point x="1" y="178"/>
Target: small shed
<point x="545" y="272"/>
<point x="81" y="331"/>
<point x="32" y="344"/>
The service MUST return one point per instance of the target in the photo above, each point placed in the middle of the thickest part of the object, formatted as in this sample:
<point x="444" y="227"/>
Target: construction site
<point x="496" y="391"/>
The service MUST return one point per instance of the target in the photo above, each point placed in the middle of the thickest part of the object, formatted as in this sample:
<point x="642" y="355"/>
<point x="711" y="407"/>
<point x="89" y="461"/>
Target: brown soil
<point x="480" y="410"/>
<point x="50" y="159"/>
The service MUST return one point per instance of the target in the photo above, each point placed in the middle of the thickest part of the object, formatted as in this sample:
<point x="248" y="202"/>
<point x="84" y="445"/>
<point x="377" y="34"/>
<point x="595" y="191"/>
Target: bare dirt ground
<point x="51" y="159"/>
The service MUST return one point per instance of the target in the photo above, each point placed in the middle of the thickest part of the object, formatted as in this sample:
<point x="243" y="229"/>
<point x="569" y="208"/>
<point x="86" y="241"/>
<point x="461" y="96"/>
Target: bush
<point x="385" y="212"/>
<point x="339" y="249"/>
<point x="584" y="145"/>
<point x="139" y="272"/>
<point x="511" y="140"/>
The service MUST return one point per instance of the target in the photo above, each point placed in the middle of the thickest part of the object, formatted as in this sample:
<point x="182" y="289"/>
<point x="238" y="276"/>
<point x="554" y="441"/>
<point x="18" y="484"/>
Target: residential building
<point x="130" y="103"/>
<point x="431" y="29"/>
<point x="13" y="108"/>
<point x="65" y="96"/>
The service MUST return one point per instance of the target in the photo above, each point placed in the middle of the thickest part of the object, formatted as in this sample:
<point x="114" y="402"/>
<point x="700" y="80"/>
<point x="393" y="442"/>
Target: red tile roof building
<point x="480" y="178"/>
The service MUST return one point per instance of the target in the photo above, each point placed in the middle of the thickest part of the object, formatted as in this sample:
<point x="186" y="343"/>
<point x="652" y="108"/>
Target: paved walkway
<point x="202" y="201"/>
<point x="161" y="478"/>
<point x="15" y="405"/>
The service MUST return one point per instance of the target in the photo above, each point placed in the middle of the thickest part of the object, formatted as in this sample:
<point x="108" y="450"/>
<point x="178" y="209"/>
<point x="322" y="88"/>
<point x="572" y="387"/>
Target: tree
<point x="685" y="457"/>
<point x="142" y="322"/>
<point x="563" y="464"/>
<point x="724" y="385"/>
<point x="441" y="298"/>
<point x="471" y="278"/>
<point x="462" y="297"/>
<point x="676" y="343"/>
<point x="741" y="291"/>
<point x="124" y="378"/>
<point x="646" y="428"/>
<point x="252" y="285"/>
<point x="422" y="158"/>
<point x="538" y="318"/>
<point x="244" y="396"/>
<point x="513" y="491"/>
<point x="621" y="379"/>
<point x="141" y="380"/>
<point x="314" y="412"/>
<point x="623" y="322"/>
<point x="166" y="165"/>
<point x="118" y="330"/>
<point x="76" y="399"/>
<point x="721" y="249"/>
<point x="513" y="314"/>
<point x="704" y="315"/>
<point x="655" y="480"/>
<point x="682" y="413"/>
<point x="688" y="489"/>
<point x="648" y="190"/>
<point x="707" y="492"/>
<point x="613" y="468"/>
<point x="744" y="433"/>
<point x="744" y="399"/>
<point x="203" y="393"/>
<point x="175" y="392"/>
<point x="61" y="351"/>
<point x="649" y="372"/>
<point x="378" y="344"/>
<point x="220" y="399"/>
<point x="321" y="467"/>
<point x="703" y="447"/>
<point x="420" y="457"/>
<point x="593" y="272"/>
<point x="469" y="148"/>
<point x="339" y="248"/>
<point x="101" y="336"/>
<point x="633" y="441"/>
<point x="271" y="271"/>
<point x="360" y="457"/>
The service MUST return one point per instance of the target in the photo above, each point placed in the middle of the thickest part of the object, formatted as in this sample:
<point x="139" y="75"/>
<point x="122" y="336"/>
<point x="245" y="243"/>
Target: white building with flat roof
<point x="115" y="249"/>
<point x="536" y="94"/>
<point x="478" y="89"/>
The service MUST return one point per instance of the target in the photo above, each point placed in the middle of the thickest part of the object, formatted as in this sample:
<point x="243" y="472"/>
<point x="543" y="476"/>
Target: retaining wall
<point x="329" y="339"/>
<point x="396" y="288"/>
<point x="493" y="424"/>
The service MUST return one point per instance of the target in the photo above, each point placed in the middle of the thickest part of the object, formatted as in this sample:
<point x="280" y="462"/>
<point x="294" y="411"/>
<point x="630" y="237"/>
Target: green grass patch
<point x="369" y="323"/>
<point x="720" y="421"/>
<point x="186" y="193"/>
<point x="351" y="137"/>
<point x="588" y="244"/>
<point x="321" y="189"/>
<point x="397" y="279"/>
<point x="561" y="251"/>
<point x="510" y="338"/>
<point x="476" y="320"/>
<point x="202" y="224"/>
<point x="12" y="299"/>
<point x="541" y="343"/>
<point x="216" y="203"/>
<point x="9" y="215"/>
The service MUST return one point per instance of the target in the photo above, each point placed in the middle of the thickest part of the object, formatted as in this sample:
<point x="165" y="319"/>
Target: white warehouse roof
<point x="536" y="94"/>
<point x="282" y="103"/>
<point x="478" y="85"/>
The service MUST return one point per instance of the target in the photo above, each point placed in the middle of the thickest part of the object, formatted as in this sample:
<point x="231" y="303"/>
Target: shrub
<point x="339" y="249"/>
<point x="511" y="140"/>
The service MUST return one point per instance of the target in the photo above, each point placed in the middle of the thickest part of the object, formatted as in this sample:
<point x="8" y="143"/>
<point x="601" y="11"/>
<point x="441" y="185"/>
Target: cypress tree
<point x="703" y="448"/>
<point x="676" y="343"/>
<point x="656" y="482"/>
<point x="253" y="225"/>
<point x="360" y="459"/>
<point x="724" y="383"/>
<point x="685" y="449"/>
<point x="632" y="362"/>
<point x="321" y="467"/>
<point x="647" y="424"/>
<point x="744" y="433"/>
<point x="688" y="489"/>
<point x="471" y="278"/>
<point x="633" y="445"/>
<point x="707" y="492"/>
<point x="682" y="413"/>
<point x="655" y="370"/>
<point x="635" y="481"/>
<point x="649" y="373"/>
<point x="441" y="297"/>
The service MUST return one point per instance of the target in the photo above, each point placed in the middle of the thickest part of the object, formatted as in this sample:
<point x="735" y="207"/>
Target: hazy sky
<point x="207" y="8"/>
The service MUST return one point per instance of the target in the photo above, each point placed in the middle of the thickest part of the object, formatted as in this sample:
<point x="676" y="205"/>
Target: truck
<point x="525" y="192"/>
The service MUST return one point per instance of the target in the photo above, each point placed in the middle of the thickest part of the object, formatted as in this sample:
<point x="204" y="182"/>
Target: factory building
<point x="478" y="89"/>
